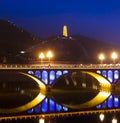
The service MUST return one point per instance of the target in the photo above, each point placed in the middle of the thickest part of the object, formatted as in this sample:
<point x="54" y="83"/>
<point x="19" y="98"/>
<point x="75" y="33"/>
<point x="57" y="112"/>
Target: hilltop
<point x="76" y="48"/>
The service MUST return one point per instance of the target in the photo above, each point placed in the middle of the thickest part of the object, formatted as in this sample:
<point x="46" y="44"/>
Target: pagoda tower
<point x="65" y="33"/>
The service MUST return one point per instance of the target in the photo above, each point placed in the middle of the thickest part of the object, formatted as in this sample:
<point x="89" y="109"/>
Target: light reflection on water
<point x="81" y="119"/>
<point x="89" y="118"/>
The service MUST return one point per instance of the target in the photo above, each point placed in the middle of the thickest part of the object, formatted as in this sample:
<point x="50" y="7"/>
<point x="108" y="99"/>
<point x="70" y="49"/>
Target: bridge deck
<point x="59" y="66"/>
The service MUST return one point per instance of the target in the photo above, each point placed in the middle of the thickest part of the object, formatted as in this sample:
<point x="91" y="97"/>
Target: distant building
<point x="65" y="33"/>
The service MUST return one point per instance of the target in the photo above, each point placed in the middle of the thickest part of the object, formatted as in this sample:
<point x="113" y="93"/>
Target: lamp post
<point x="41" y="56"/>
<point x="114" y="57"/>
<point x="101" y="57"/>
<point x="49" y="55"/>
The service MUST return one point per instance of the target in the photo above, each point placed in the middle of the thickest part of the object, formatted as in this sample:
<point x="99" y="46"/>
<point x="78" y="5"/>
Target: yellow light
<point x="49" y="55"/>
<point x="41" y="120"/>
<point x="114" y="120"/>
<point x="65" y="31"/>
<point x="114" y="56"/>
<point x="102" y="116"/>
<point x="101" y="57"/>
<point x="41" y="56"/>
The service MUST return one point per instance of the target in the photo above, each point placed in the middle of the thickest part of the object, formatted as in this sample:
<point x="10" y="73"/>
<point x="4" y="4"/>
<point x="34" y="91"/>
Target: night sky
<point x="99" y="19"/>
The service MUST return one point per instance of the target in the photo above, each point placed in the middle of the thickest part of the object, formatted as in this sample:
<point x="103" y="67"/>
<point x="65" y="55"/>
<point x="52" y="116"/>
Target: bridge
<point x="32" y="90"/>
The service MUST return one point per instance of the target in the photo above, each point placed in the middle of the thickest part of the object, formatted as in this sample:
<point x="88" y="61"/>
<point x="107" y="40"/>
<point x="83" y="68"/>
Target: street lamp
<point x="101" y="57"/>
<point x="101" y="116"/>
<point x="49" y="55"/>
<point x="41" y="56"/>
<point x="114" y="57"/>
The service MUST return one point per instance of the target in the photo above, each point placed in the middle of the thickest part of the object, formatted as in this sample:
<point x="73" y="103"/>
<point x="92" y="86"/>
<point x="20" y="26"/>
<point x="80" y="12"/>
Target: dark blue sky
<point x="99" y="19"/>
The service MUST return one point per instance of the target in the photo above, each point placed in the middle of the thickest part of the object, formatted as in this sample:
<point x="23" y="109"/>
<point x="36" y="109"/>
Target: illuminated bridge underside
<point x="30" y="104"/>
<point x="101" y="84"/>
<point x="101" y="96"/>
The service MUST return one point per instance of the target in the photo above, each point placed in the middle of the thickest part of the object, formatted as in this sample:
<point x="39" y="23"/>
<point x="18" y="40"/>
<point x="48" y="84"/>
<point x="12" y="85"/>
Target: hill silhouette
<point x="76" y="48"/>
<point x="13" y="39"/>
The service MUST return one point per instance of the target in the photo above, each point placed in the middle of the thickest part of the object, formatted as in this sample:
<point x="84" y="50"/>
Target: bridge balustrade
<point x="67" y="66"/>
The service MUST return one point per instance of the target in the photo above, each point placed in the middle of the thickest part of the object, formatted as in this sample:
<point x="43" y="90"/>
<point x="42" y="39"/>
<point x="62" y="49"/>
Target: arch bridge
<point x="56" y="89"/>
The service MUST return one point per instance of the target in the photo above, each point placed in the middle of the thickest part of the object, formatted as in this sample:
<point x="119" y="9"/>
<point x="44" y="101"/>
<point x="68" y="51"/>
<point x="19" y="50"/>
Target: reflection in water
<point x="68" y="91"/>
<point x="81" y="90"/>
<point x="77" y="90"/>
<point x="22" y="98"/>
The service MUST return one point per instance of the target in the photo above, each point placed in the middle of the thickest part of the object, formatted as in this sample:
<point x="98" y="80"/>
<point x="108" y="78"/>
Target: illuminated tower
<point x="65" y="34"/>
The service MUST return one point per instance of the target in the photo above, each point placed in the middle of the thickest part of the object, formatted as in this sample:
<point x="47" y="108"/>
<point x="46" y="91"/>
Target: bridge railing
<point x="60" y="66"/>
